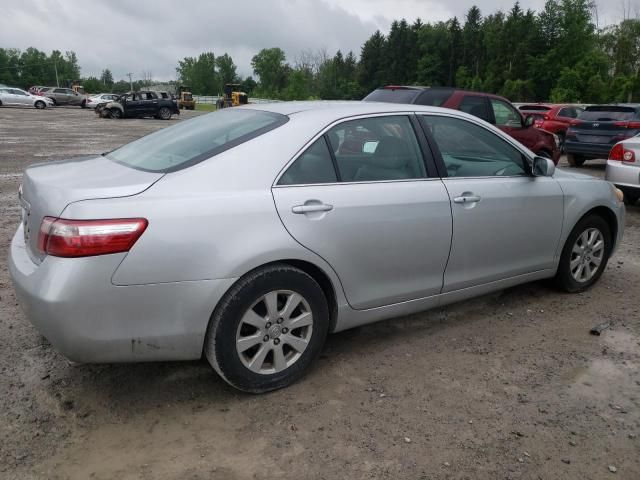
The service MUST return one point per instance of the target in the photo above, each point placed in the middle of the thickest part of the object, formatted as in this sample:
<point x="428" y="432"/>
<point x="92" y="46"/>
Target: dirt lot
<point x="510" y="385"/>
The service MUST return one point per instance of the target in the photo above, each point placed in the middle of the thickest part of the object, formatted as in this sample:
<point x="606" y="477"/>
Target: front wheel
<point x="585" y="254"/>
<point x="39" y="105"/>
<point x="115" y="113"/>
<point x="268" y="329"/>
<point x="575" y="160"/>
<point x="164" y="113"/>
<point x="83" y="104"/>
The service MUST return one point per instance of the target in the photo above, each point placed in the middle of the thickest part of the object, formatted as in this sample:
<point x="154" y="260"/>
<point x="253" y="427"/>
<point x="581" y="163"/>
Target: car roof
<point x="341" y="109"/>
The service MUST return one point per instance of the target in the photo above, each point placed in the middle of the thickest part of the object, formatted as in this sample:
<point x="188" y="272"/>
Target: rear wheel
<point x="585" y="254"/>
<point x="164" y="113"/>
<point x="39" y="105"/>
<point x="631" y="196"/>
<point x="561" y="141"/>
<point x="575" y="160"/>
<point x="268" y="329"/>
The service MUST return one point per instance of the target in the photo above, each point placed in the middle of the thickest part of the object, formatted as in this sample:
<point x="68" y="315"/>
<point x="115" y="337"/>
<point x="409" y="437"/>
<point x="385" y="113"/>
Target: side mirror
<point x="543" y="167"/>
<point x="528" y="121"/>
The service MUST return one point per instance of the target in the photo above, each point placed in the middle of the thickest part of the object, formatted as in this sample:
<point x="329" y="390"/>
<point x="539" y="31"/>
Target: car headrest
<point x="392" y="152"/>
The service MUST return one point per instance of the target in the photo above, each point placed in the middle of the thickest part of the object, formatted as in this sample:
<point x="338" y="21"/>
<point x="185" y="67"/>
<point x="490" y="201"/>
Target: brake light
<point x="620" y="154"/>
<point x="575" y="122"/>
<point x="84" y="238"/>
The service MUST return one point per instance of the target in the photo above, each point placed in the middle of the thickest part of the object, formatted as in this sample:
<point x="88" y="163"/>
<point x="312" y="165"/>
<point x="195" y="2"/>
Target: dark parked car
<point x="552" y="118"/>
<point x="596" y="130"/>
<point x="139" y="104"/>
<point x="491" y="108"/>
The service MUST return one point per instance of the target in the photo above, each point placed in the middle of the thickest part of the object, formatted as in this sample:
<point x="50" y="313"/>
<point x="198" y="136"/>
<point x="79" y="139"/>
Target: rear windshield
<point x="398" y="95"/>
<point x="192" y="141"/>
<point x="534" y="108"/>
<point x="608" y="113"/>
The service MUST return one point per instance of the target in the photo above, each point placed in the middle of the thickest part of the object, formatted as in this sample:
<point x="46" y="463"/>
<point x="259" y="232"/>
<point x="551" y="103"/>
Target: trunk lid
<point x="49" y="187"/>
<point x="605" y="124"/>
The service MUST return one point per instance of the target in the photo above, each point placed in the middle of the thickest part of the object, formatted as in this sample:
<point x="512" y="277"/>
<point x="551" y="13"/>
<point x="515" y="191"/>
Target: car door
<point x="7" y="97"/>
<point x="150" y="104"/>
<point x="510" y="121"/>
<point x="60" y="96"/>
<point x="359" y="197"/>
<point x="21" y="98"/>
<point x="505" y="222"/>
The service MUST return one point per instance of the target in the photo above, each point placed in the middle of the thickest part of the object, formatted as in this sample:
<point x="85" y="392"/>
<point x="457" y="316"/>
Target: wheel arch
<point x="610" y="217"/>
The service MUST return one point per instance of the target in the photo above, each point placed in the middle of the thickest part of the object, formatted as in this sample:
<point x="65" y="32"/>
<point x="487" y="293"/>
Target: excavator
<point x="233" y="96"/>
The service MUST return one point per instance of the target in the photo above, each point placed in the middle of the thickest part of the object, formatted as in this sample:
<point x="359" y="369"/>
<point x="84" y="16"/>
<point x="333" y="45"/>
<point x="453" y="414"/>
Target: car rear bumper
<point x="623" y="174"/>
<point x="73" y="303"/>
<point x="588" y="150"/>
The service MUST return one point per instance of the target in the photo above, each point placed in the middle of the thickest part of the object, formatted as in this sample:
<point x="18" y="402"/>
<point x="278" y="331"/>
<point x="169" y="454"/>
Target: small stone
<point x="407" y="440"/>
<point x="541" y="311"/>
<point x="521" y="460"/>
<point x="526" y="454"/>
<point x="615" y="407"/>
<point x="293" y="427"/>
<point x="612" y="469"/>
<point x="44" y="377"/>
<point x="566" y="460"/>
<point x="470" y="422"/>
<point x="632" y="436"/>
<point x="446" y="464"/>
<point x="572" y="443"/>
<point x="382" y="395"/>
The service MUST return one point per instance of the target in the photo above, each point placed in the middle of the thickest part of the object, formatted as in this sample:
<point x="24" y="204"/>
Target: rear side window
<point x="434" y="97"/>
<point x="192" y="141"/>
<point x="313" y="166"/>
<point x="608" y="113"/>
<point x="395" y="95"/>
<point x="476" y="106"/>
<point x="468" y="150"/>
<point x="505" y="114"/>
<point x="376" y="149"/>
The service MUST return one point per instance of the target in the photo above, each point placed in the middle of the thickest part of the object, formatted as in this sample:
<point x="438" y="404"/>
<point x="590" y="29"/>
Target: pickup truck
<point x="138" y="105"/>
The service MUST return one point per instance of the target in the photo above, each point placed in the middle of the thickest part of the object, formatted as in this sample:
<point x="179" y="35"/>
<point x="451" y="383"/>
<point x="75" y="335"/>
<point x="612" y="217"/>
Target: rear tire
<point x="585" y="254"/>
<point x="631" y="197"/>
<point x="575" y="160"/>
<point x="252" y="340"/>
<point x="164" y="113"/>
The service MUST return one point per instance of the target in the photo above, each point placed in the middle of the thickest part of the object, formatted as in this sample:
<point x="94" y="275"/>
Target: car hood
<point x="560" y="174"/>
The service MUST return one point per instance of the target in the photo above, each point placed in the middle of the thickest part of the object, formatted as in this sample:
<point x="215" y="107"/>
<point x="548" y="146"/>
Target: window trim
<point x="324" y="132"/>
<point x="442" y="168"/>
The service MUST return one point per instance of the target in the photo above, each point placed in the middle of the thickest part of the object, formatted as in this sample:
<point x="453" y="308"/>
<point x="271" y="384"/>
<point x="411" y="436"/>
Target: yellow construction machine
<point x="233" y="96"/>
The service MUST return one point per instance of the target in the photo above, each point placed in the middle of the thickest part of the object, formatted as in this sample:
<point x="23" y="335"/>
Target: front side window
<point x="505" y="114"/>
<point x="194" y="140"/>
<point x="313" y="166"/>
<point x="469" y="150"/>
<point x="59" y="90"/>
<point x="376" y="149"/>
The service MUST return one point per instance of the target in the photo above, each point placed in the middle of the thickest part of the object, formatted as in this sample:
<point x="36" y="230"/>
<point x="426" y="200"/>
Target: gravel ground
<point x="507" y="386"/>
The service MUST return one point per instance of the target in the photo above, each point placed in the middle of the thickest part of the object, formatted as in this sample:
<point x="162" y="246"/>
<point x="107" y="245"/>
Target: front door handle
<point x="467" y="199"/>
<point x="314" y="207"/>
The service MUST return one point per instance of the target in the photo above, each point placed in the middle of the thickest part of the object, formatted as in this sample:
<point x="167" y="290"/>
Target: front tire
<point x="115" y="113"/>
<point x="575" y="160"/>
<point x="585" y="254"/>
<point x="268" y="329"/>
<point x="83" y="104"/>
<point x="39" y="105"/>
<point x="164" y="113"/>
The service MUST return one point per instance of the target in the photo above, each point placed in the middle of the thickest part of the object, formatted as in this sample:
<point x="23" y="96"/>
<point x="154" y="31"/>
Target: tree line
<point x="557" y="54"/>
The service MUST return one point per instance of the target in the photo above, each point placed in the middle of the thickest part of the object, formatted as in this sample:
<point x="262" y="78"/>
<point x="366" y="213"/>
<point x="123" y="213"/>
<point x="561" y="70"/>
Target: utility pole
<point x="130" y="81"/>
<point x="55" y="66"/>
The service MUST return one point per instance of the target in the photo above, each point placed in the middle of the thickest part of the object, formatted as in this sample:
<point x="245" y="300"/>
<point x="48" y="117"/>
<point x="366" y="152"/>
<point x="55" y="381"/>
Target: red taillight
<point x="84" y="238"/>
<point x="575" y="122"/>
<point x="627" y="124"/>
<point x="621" y="154"/>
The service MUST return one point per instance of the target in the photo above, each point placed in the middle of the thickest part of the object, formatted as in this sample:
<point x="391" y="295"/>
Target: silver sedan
<point x="20" y="98"/>
<point x="623" y="168"/>
<point x="251" y="233"/>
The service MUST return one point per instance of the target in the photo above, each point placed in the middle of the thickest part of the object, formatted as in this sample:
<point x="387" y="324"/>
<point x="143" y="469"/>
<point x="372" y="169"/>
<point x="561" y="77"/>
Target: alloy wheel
<point x="587" y="255"/>
<point x="274" y="332"/>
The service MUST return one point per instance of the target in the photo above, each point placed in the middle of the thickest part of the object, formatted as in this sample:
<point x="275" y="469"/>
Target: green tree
<point x="269" y="65"/>
<point x="372" y="68"/>
<point x="106" y="77"/>
<point x="226" y="69"/>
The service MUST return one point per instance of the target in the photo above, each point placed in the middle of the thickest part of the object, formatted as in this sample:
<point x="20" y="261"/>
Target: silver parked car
<point x="623" y="168"/>
<point x="251" y="233"/>
<point x="20" y="98"/>
<point x="94" y="100"/>
<point x="64" y="96"/>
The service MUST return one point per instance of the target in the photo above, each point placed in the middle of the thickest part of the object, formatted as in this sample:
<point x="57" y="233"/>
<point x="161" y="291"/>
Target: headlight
<point x="619" y="194"/>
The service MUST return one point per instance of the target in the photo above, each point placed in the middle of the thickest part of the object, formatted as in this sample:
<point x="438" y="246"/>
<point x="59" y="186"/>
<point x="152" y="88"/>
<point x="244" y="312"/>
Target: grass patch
<point x="206" y="107"/>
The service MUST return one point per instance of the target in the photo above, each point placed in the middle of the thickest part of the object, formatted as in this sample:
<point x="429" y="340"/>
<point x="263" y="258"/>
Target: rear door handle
<point x="316" y="207"/>
<point x="467" y="199"/>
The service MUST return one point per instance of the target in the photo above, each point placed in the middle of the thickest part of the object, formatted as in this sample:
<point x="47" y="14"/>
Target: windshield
<point x="192" y="141"/>
<point x="608" y="113"/>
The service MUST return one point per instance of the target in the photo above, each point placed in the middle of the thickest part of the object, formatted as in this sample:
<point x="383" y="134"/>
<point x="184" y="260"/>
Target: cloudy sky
<point x="151" y="35"/>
